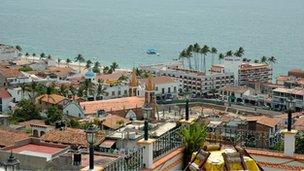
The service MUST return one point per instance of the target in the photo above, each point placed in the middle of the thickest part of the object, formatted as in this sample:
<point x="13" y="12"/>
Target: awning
<point x="107" y="144"/>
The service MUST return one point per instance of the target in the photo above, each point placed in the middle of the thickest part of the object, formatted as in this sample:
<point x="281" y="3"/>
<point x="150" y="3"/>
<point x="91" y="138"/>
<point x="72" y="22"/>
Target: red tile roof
<point x="9" y="72"/>
<point x="91" y="107"/>
<point x="70" y="136"/>
<point x="111" y="121"/>
<point x="264" y="120"/>
<point x="37" y="148"/>
<point x="9" y="138"/>
<point x="163" y="80"/>
<point x="52" y="98"/>
<point x="4" y="93"/>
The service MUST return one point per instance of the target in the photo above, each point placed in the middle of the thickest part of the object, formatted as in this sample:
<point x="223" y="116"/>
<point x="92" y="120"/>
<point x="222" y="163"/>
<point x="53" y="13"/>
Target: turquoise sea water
<point x="122" y="30"/>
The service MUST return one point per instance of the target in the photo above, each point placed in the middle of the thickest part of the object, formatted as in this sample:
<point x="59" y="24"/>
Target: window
<point x="125" y="92"/>
<point x="163" y="91"/>
<point x="113" y="93"/>
<point x="156" y="88"/>
<point x="169" y="89"/>
<point x="174" y="89"/>
<point x="119" y="92"/>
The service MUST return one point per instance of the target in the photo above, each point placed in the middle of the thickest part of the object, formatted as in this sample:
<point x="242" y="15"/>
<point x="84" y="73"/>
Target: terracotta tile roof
<point x="52" y="98"/>
<point x="111" y="121"/>
<point x="27" y="124"/>
<point x="9" y="72"/>
<point x="4" y="93"/>
<point x="9" y="138"/>
<point x="91" y="107"/>
<point x="60" y="71"/>
<point x="264" y="120"/>
<point x="70" y="136"/>
<point x="110" y="77"/>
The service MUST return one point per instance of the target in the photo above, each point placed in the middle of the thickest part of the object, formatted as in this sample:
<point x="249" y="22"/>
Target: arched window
<point x="35" y="133"/>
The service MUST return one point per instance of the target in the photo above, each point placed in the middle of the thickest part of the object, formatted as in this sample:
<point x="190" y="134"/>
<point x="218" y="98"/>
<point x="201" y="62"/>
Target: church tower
<point x="150" y="98"/>
<point x="133" y="85"/>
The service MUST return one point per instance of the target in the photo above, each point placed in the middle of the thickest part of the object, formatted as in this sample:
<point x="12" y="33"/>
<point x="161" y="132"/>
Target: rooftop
<point x="91" y="107"/>
<point x="52" y="98"/>
<point x="4" y="93"/>
<point x="112" y="121"/>
<point x="264" y="120"/>
<point x="70" y="136"/>
<point x="9" y="138"/>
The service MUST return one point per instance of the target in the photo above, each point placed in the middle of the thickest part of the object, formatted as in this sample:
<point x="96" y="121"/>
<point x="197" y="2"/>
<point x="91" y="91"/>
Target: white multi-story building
<point x="8" y="52"/>
<point x="280" y="95"/>
<point x="193" y="81"/>
<point x="254" y="72"/>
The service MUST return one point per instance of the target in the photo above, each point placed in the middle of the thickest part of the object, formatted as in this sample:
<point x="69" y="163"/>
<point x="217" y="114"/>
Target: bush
<point x="26" y="69"/>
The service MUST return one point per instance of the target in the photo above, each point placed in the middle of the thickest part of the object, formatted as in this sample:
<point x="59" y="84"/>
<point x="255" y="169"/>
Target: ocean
<point x="122" y="30"/>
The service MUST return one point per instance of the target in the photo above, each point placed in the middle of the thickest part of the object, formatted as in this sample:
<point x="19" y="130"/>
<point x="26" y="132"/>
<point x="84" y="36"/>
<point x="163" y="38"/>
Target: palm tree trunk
<point x="205" y="64"/>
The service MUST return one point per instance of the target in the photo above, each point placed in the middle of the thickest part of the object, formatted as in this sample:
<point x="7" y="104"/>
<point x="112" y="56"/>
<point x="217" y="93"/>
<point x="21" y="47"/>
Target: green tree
<point x="221" y="57"/>
<point x="89" y="63"/>
<point x="183" y="56"/>
<point x="213" y="52"/>
<point x="26" y="110"/>
<point x="27" y="54"/>
<point x="18" y="48"/>
<point x="264" y="59"/>
<point x="256" y="61"/>
<point x="196" y="50"/>
<point x="229" y="53"/>
<point x="189" y="52"/>
<point x="114" y="66"/>
<point x="53" y="115"/>
<point x="49" y="57"/>
<point x="42" y="55"/>
<point x="68" y="61"/>
<point x="96" y="67"/>
<point x="106" y="70"/>
<point x="193" y="137"/>
<point x="205" y="50"/>
<point x="80" y="59"/>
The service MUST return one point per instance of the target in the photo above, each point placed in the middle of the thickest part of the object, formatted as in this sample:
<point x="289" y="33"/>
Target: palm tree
<point x="264" y="59"/>
<point x="196" y="50"/>
<point x="183" y="56"/>
<point x="106" y="70"/>
<point x="68" y="61"/>
<point x="80" y="59"/>
<point x="213" y="51"/>
<point x="189" y="51"/>
<point x="239" y="53"/>
<point x="49" y="57"/>
<point x="89" y="63"/>
<point x="27" y="54"/>
<point x="100" y="90"/>
<point x="272" y="60"/>
<point x="229" y="53"/>
<point x="58" y="61"/>
<point x="114" y="66"/>
<point x="18" y="48"/>
<point x="221" y="57"/>
<point x="205" y="50"/>
<point x="194" y="138"/>
<point x="256" y="61"/>
<point x="42" y="55"/>
<point x="96" y="67"/>
<point x="34" y="54"/>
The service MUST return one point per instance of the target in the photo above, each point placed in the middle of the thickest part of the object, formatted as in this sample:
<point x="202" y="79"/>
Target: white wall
<point x="73" y="109"/>
<point x="6" y="104"/>
<point x="116" y="89"/>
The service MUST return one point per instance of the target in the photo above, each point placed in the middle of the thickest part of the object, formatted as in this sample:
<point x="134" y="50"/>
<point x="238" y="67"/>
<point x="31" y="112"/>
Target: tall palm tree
<point x="189" y="51"/>
<point x="18" y="48"/>
<point x="27" y="54"/>
<point x="272" y="60"/>
<point x="196" y="50"/>
<point x="183" y="56"/>
<point x="205" y="50"/>
<point x="68" y="61"/>
<point x="49" y="57"/>
<point x="229" y="53"/>
<point x="256" y="61"/>
<point x="80" y="59"/>
<point x="106" y="70"/>
<point x="89" y="63"/>
<point x="221" y="57"/>
<point x="213" y="51"/>
<point x="34" y="54"/>
<point x="100" y="90"/>
<point x="264" y="59"/>
<point x="114" y="66"/>
<point x="240" y="52"/>
<point x="96" y="67"/>
<point x="58" y="61"/>
<point x="42" y="55"/>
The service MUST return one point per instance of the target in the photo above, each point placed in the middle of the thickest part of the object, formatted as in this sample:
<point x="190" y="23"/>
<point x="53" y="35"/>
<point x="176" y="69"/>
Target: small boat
<point x="152" y="52"/>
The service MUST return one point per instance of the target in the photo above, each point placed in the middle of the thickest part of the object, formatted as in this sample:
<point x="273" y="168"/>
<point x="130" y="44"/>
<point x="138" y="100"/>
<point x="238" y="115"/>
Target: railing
<point x="131" y="162"/>
<point x="167" y="142"/>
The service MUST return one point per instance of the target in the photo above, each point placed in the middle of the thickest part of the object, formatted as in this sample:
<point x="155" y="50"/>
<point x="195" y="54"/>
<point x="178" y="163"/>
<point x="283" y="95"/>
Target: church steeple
<point x="133" y="84"/>
<point x="150" y="99"/>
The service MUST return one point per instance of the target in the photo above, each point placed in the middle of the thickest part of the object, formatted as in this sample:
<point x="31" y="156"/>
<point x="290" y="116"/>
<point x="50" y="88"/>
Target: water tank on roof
<point x="90" y="74"/>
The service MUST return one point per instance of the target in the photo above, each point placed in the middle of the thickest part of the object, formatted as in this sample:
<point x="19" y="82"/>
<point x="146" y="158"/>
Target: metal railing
<point x="131" y="162"/>
<point x="167" y="142"/>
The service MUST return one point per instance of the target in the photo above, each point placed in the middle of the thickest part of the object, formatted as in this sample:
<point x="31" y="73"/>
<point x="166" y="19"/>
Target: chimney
<point x="289" y="142"/>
